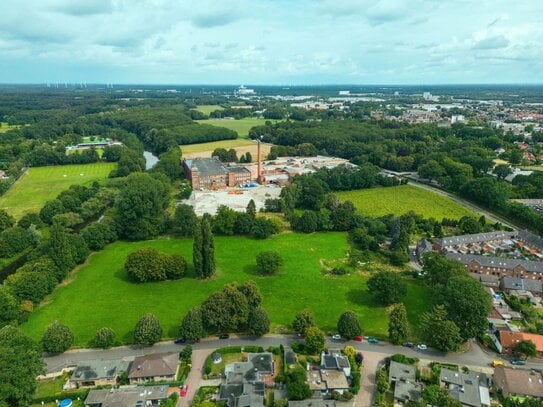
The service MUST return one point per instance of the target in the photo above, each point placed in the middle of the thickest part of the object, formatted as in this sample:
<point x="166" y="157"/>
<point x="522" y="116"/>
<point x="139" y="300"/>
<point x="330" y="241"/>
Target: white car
<point x="336" y="337"/>
<point x="422" y="346"/>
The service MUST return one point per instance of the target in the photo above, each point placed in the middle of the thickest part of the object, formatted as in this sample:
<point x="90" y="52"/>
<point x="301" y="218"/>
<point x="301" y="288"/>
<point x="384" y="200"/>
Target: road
<point x="475" y="357"/>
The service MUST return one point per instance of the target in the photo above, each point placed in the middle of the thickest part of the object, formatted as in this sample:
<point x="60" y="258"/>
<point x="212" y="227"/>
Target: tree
<point x="251" y="209"/>
<point x="32" y="286"/>
<point x="148" y="330"/>
<point x="174" y="266"/>
<point x="62" y="250"/>
<point x="387" y="287"/>
<point x="6" y="220"/>
<point x="208" y="250"/>
<point x="226" y="310"/>
<point x="258" y="321"/>
<point x="526" y="347"/>
<point x="431" y="170"/>
<point x="302" y="321"/>
<point x="438" y="269"/>
<point x="57" y="338"/>
<point x="502" y="171"/>
<point x="297" y="387"/>
<point x="348" y="325"/>
<point x="469" y="225"/>
<point x="314" y="340"/>
<point x="268" y="262"/>
<point x="398" y="325"/>
<point x="185" y="220"/>
<point x="50" y="209"/>
<point x="20" y="363"/>
<point x="224" y="220"/>
<point x="440" y="332"/>
<point x="148" y="264"/>
<point x="104" y="338"/>
<point x="192" y="326"/>
<point x="263" y="228"/>
<point x="251" y="292"/>
<point x="9" y="307"/>
<point x="197" y="251"/>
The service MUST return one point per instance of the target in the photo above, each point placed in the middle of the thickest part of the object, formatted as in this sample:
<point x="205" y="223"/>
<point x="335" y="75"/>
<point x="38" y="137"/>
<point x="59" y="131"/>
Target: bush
<point x="104" y="338"/>
<point x="148" y="264"/>
<point x="348" y="325"/>
<point x="268" y="262"/>
<point x="57" y="338"/>
<point x="148" y="330"/>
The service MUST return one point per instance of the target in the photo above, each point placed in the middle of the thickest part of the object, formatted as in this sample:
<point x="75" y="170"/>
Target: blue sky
<point x="272" y="41"/>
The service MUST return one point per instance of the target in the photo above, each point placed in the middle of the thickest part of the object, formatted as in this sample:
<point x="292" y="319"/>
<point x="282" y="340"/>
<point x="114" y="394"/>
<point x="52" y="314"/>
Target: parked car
<point x="184" y="390"/>
<point x="408" y="344"/>
<point x="518" y="362"/>
<point x="357" y="338"/>
<point x="179" y="341"/>
<point x="497" y="363"/>
<point x="422" y="346"/>
<point x="373" y="340"/>
<point x="336" y="337"/>
<point x="224" y="336"/>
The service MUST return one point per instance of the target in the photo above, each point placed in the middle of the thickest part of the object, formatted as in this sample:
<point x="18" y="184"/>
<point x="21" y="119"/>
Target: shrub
<point x="148" y="264"/>
<point x="57" y="338"/>
<point x="268" y="262"/>
<point x="148" y="330"/>
<point x="104" y="338"/>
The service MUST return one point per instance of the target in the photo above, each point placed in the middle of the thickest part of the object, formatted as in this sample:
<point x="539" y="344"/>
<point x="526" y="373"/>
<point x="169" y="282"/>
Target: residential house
<point x="403" y="379"/>
<point x="93" y="373"/>
<point x="335" y="360"/>
<point x="312" y="403"/>
<point x="471" y="389"/>
<point x="518" y="382"/>
<point x="499" y="266"/>
<point x="401" y="372"/>
<point x="423" y="246"/>
<point x="154" y="368"/>
<point x="127" y="397"/>
<point x="242" y="394"/>
<point x="510" y="284"/>
<point x="509" y="341"/>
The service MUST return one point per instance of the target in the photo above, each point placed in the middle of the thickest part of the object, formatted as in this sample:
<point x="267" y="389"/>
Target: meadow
<point x="207" y="109"/>
<point x="241" y="126"/>
<point x="99" y="293"/>
<point x="4" y="127"/>
<point x="399" y="200"/>
<point x="241" y="146"/>
<point x="41" y="184"/>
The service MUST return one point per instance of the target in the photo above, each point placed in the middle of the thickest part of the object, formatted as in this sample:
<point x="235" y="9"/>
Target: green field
<point x="227" y="144"/>
<point x="41" y="184"/>
<point x="241" y="126"/>
<point x="402" y="199"/>
<point x="6" y="127"/>
<point x="101" y="295"/>
<point x="206" y="109"/>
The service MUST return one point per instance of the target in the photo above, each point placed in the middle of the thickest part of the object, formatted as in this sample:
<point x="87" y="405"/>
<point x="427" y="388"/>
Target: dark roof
<point x="238" y="169"/>
<point x="518" y="381"/>
<point x="127" y="397"/>
<point x="207" y="166"/>
<point x="525" y="284"/>
<point x="290" y="357"/>
<point x="401" y="371"/>
<point x="334" y="360"/>
<point x="159" y="364"/>
<point x="407" y="391"/>
<point x="529" y="237"/>
<point x="478" y="237"/>
<point x="99" y="369"/>
<point x="258" y="363"/>
<point x="262" y="362"/>
<point x="312" y="403"/>
<point x="243" y="394"/>
<point x="498" y="262"/>
<point x="469" y="388"/>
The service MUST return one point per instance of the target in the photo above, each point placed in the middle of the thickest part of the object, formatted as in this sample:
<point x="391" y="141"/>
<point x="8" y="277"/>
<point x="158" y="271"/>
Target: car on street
<point x="184" y="390"/>
<point x="518" y="362"/>
<point x="224" y="336"/>
<point x="336" y="337"/>
<point x="422" y="346"/>
<point x="373" y="340"/>
<point x="357" y="338"/>
<point x="179" y="341"/>
<point x="408" y="344"/>
<point x="497" y="363"/>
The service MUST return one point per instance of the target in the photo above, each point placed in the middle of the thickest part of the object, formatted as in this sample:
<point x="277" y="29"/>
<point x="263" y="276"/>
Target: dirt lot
<point x="209" y="201"/>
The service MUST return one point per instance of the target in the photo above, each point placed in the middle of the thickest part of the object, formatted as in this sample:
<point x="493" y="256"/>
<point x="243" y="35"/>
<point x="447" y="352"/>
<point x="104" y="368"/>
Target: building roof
<point x="312" y="403"/>
<point x="99" y="369"/>
<point x="401" y="371"/>
<point x="335" y="379"/>
<point x="470" y="389"/>
<point x="257" y="363"/>
<point x="206" y="166"/>
<point x="159" y="364"/>
<point x="334" y="360"/>
<point x="497" y="262"/>
<point x="290" y="357"/>
<point x="521" y="284"/>
<point x="238" y="168"/>
<point x="477" y="237"/>
<point x="243" y="394"/>
<point x="127" y="397"/>
<point x="510" y="339"/>
<point x="519" y="381"/>
<point x="407" y="391"/>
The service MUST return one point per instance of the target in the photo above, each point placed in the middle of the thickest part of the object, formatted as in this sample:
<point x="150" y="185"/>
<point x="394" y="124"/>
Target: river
<point x="150" y="159"/>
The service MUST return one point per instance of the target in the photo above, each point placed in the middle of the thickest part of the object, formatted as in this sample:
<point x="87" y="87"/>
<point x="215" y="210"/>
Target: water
<point x="150" y="159"/>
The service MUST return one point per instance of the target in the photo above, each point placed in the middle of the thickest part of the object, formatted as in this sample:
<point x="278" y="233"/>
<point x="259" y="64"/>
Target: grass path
<point x="101" y="295"/>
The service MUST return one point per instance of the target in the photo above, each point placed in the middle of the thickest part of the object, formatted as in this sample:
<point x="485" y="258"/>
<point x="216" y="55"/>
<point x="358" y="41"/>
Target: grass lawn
<point x="206" y="109"/>
<point x="402" y="199"/>
<point x="241" y="126"/>
<point x="100" y="294"/>
<point x="41" y="184"/>
<point x="240" y="145"/>
<point x="50" y="387"/>
<point x="4" y="127"/>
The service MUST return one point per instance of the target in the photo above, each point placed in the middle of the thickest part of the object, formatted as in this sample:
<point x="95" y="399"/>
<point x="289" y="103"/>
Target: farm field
<point x="40" y="184"/>
<point x="402" y="199"/>
<point x="101" y="295"/>
<point x="240" y="145"/>
<point x="206" y="109"/>
<point x="241" y="126"/>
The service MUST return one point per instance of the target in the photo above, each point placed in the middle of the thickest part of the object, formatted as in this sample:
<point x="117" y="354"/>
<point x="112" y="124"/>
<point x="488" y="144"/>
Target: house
<point x="255" y="369"/>
<point x="509" y="341"/>
<point x="312" y="403"/>
<point x="242" y="394"/>
<point x="510" y="284"/>
<point x="401" y="372"/>
<point x="154" y="368"/>
<point x="406" y="392"/>
<point x="518" y="382"/>
<point x="448" y="242"/>
<point x="471" y="389"/>
<point x="127" y="397"/>
<point x="499" y="266"/>
<point x="423" y="246"/>
<point x="335" y="360"/>
<point x="93" y="373"/>
<point x="403" y="377"/>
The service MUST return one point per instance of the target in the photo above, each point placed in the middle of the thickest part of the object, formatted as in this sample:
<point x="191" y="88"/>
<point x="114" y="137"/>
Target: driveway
<point x="199" y="357"/>
<point x="364" y="398"/>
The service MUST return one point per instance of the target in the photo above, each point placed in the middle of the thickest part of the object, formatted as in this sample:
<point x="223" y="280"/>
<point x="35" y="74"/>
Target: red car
<point x="184" y="390"/>
<point x="357" y="338"/>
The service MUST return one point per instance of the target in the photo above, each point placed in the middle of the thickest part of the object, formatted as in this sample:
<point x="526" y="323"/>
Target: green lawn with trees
<point x="401" y="199"/>
<point x="41" y="184"/>
<point x="241" y="126"/>
<point x="102" y="295"/>
<point x="206" y="109"/>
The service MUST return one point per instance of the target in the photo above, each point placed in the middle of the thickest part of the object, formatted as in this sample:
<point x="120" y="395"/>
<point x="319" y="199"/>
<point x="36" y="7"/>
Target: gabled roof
<point x="159" y="364"/>
<point x="521" y="284"/>
<point x="477" y="237"/>
<point x="401" y="371"/>
<point x="497" y="262"/>
<point x="510" y="339"/>
<point x="519" y="381"/>
<point x="126" y="397"/>
<point x="470" y="389"/>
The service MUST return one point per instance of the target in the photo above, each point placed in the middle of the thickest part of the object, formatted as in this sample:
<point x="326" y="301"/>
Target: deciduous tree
<point x="57" y="338"/>
<point x="192" y="326"/>
<point x="387" y="287"/>
<point x="268" y="262"/>
<point x="440" y="332"/>
<point x="258" y="321"/>
<point x="314" y="340"/>
<point x="302" y="321"/>
<point x="348" y="325"/>
<point x="148" y="330"/>
<point x="104" y="338"/>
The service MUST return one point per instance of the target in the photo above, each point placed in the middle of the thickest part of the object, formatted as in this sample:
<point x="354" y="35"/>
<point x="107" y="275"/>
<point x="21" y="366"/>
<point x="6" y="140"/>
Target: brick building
<point x="210" y="173"/>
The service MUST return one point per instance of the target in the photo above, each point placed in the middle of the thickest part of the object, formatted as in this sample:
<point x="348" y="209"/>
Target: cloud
<point x="84" y="8"/>
<point x="217" y="18"/>
<point x="495" y="42"/>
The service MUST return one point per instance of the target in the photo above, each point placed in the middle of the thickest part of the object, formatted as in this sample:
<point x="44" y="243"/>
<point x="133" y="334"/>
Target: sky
<point x="294" y="42"/>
